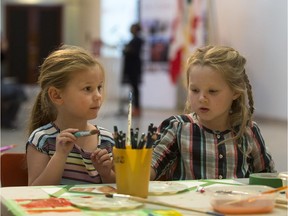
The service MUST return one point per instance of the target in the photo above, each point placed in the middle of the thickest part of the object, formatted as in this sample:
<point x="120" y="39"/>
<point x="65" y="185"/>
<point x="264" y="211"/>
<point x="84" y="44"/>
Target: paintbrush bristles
<point x="92" y="132"/>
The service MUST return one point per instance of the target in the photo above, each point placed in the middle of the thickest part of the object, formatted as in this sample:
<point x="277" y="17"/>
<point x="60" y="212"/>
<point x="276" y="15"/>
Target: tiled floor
<point x="274" y="132"/>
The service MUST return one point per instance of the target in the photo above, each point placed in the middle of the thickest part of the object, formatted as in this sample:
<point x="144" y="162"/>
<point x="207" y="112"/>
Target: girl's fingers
<point x="67" y="135"/>
<point x="100" y="155"/>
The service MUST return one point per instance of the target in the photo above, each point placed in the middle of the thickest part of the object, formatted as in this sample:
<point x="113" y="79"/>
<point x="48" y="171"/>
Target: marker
<point x="6" y="148"/>
<point x="85" y="133"/>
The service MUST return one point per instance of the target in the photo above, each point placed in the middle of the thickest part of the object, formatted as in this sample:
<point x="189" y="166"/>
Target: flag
<point x="176" y="45"/>
<point x="188" y="33"/>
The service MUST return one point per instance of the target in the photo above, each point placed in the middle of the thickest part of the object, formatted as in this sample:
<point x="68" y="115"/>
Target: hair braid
<point x="249" y="93"/>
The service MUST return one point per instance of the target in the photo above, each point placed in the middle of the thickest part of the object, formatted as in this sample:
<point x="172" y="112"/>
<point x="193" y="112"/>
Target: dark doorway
<point x="32" y="33"/>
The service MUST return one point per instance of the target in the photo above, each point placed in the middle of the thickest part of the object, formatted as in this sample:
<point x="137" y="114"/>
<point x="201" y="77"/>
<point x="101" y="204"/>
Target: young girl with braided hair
<point x="217" y="137"/>
<point x="71" y="84"/>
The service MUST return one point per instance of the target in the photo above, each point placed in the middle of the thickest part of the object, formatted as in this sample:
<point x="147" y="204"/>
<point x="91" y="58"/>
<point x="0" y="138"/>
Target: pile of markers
<point x="136" y="142"/>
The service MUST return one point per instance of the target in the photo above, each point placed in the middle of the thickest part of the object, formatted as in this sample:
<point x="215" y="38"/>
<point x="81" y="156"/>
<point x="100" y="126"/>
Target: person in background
<point x="12" y="93"/>
<point x="217" y="137"/>
<point x="71" y="83"/>
<point x="132" y="66"/>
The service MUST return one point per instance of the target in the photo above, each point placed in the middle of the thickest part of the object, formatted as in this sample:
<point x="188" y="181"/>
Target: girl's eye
<point x="87" y="88"/>
<point x="213" y="91"/>
<point x="100" y="88"/>
<point x="194" y="90"/>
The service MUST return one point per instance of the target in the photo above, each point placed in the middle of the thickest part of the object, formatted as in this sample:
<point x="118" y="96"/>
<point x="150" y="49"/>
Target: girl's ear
<point x="55" y="95"/>
<point x="236" y="95"/>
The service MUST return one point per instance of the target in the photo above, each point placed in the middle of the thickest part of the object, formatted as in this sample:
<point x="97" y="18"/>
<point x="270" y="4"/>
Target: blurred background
<point x="171" y="29"/>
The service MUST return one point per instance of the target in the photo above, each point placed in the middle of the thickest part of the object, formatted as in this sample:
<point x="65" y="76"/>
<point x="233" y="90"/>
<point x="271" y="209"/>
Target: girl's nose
<point x="97" y="95"/>
<point x="203" y="98"/>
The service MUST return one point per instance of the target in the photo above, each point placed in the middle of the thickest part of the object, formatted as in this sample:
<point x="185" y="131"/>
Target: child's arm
<point x="43" y="170"/>
<point x="152" y="174"/>
<point x="262" y="159"/>
<point x="104" y="165"/>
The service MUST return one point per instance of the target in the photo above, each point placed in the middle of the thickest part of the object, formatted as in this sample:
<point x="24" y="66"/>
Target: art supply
<point x="128" y="138"/>
<point x="253" y="198"/>
<point x="268" y="179"/>
<point x="159" y="203"/>
<point x="249" y="199"/>
<point x="142" y="141"/>
<point x="135" y="138"/>
<point x="119" y="138"/>
<point x="86" y="133"/>
<point x="151" y="136"/>
<point x="132" y="168"/>
<point x="116" y="137"/>
<point x="275" y="190"/>
<point x="6" y="148"/>
<point x="135" y="141"/>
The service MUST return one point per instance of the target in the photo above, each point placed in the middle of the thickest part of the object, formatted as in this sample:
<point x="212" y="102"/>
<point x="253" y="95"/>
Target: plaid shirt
<point x="188" y="150"/>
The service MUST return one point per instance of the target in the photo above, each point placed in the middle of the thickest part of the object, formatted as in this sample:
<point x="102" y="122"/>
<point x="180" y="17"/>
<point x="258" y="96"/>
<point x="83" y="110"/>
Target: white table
<point x="190" y="198"/>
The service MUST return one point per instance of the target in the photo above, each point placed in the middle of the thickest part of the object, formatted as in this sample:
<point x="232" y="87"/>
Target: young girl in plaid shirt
<point x="217" y="137"/>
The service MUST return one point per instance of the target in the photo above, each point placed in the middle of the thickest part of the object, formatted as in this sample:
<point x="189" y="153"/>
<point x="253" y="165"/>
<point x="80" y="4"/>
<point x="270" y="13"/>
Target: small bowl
<point x="241" y="199"/>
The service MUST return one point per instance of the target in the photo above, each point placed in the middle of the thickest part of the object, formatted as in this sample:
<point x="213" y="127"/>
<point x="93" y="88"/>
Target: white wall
<point x="258" y="29"/>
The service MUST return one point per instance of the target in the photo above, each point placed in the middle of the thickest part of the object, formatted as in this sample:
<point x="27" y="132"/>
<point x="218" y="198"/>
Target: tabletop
<point x="68" y="199"/>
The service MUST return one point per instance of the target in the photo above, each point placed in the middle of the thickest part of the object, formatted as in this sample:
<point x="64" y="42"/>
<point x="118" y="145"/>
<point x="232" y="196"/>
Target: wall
<point x="258" y="29"/>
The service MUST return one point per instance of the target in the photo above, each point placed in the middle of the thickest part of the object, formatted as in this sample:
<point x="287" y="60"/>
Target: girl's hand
<point x="102" y="162"/>
<point x="65" y="141"/>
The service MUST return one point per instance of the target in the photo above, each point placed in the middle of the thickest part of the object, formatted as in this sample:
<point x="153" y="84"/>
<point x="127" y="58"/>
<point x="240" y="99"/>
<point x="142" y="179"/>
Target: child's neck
<point x="215" y="126"/>
<point x="79" y="125"/>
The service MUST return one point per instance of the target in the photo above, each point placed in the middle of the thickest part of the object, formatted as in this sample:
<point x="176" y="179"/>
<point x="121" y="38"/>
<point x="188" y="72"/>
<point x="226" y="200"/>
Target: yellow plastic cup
<point x="132" y="169"/>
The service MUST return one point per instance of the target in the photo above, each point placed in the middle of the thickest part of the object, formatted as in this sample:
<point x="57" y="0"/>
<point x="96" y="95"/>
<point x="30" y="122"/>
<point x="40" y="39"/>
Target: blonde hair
<point x="57" y="70"/>
<point x="230" y="64"/>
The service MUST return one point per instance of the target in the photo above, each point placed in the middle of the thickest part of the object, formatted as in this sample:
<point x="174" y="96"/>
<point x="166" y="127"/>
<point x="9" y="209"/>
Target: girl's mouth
<point x="203" y="109"/>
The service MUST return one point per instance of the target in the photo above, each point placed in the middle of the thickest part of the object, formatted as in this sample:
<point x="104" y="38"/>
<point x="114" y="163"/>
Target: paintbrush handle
<point x="249" y="199"/>
<point x="142" y="200"/>
<point x="128" y="137"/>
<point x="275" y="190"/>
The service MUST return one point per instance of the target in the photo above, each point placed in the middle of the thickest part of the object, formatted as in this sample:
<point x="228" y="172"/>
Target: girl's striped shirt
<point x="78" y="168"/>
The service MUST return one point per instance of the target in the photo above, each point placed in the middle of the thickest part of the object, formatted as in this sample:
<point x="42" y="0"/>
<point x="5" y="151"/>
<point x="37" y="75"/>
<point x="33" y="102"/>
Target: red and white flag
<point x="188" y="32"/>
<point x="177" y="43"/>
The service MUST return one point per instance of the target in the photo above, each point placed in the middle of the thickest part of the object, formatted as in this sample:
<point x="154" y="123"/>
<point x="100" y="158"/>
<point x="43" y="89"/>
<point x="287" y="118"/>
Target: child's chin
<point x="91" y="117"/>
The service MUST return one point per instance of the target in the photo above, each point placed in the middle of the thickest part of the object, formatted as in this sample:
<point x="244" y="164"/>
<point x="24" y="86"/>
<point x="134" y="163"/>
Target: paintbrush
<point x="253" y="198"/>
<point x="86" y="133"/>
<point x="275" y="190"/>
<point x="128" y="137"/>
<point x="6" y="148"/>
<point x="142" y="200"/>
